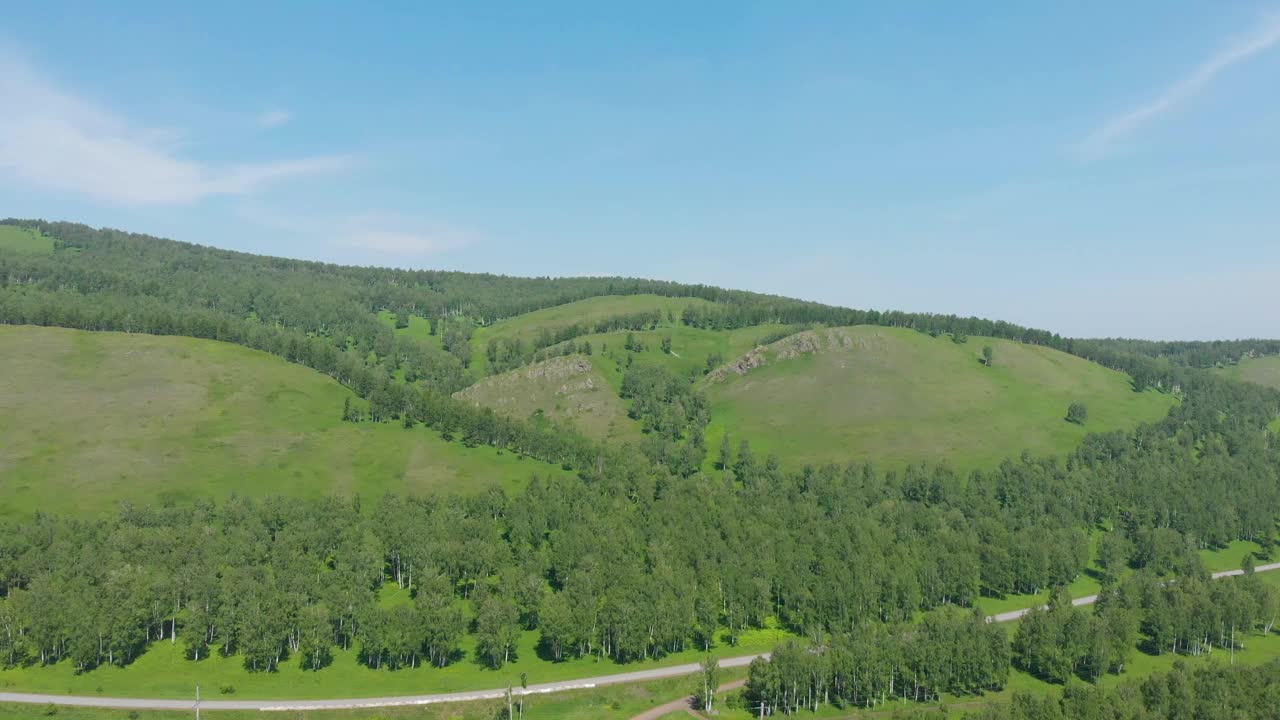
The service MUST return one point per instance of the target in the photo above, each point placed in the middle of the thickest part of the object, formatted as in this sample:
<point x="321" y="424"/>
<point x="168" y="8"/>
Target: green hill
<point x="894" y="396"/>
<point x="91" y="419"/>
<point x="584" y="391"/>
<point x="565" y="389"/>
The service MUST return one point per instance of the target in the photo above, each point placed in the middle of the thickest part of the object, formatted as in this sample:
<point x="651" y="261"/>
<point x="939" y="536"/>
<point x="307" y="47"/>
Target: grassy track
<point x="88" y="420"/>
<point x="23" y="240"/>
<point x="895" y="396"/>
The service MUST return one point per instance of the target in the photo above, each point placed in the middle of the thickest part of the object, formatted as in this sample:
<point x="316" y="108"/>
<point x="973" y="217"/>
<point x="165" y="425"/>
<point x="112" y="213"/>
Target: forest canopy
<point x="640" y="553"/>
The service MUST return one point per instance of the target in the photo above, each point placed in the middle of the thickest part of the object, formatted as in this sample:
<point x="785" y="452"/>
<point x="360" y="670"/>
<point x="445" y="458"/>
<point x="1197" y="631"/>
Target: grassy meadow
<point x="895" y="396"/>
<point x="1260" y="370"/>
<point x="419" y="328"/>
<point x="89" y="420"/>
<point x="22" y="240"/>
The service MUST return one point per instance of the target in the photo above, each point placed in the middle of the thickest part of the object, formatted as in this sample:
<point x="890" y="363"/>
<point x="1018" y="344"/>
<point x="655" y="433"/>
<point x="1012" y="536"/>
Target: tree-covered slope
<point x="894" y="396"/>
<point x="89" y="420"/>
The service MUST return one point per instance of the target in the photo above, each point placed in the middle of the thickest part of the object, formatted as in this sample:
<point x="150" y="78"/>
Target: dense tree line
<point x="664" y="402"/>
<point x="1217" y="691"/>
<point x="960" y="653"/>
<point x="1191" y="692"/>
<point x="947" y="651"/>
<point x="671" y="412"/>
<point x="1061" y="641"/>
<point x="1198" y="353"/>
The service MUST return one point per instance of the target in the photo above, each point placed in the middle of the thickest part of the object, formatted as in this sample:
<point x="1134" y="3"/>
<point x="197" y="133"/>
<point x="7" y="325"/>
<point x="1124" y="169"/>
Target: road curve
<point x="356" y="703"/>
<point x="684" y="703"/>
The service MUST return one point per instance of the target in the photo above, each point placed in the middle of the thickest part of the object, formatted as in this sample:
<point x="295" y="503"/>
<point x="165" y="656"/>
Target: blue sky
<point x="1093" y="168"/>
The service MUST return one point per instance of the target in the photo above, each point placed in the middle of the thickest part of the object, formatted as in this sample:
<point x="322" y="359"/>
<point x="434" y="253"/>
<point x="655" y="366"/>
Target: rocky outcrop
<point x="807" y="342"/>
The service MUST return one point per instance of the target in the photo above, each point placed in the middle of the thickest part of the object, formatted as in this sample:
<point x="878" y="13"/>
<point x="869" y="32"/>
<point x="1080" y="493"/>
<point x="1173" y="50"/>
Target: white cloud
<point x="274" y="119"/>
<point x="369" y="237"/>
<point x="401" y="243"/>
<point x="1263" y="37"/>
<point x="51" y="138"/>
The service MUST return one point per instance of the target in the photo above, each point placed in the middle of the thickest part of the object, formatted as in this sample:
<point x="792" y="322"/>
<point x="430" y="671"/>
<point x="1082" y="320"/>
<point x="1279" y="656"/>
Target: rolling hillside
<point x="565" y="389"/>
<point x="689" y="347"/>
<point x="88" y="420"/>
<point x="894" y="396"/>
<point x="584" y="391"/>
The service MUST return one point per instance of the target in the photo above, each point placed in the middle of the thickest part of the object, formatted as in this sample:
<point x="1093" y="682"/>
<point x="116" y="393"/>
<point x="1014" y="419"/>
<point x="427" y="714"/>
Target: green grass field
<point x="566" y="389"/>
<point x="895" y="396"/>
<point x="23" y="240"/>
<point x="89" y="420"/>
<point x="1260" y="370"/>
<point x="419" y="328"/>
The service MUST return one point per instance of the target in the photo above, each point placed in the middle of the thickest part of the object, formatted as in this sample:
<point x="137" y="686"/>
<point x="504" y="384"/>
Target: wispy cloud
<point x="274" y="119"/>
<point x="400" y="243"/>
<point x="1263" y="37"/>
<point x="367" y="238"/>
<point x="396" y="237"/>
<point x="52" y="138"/>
